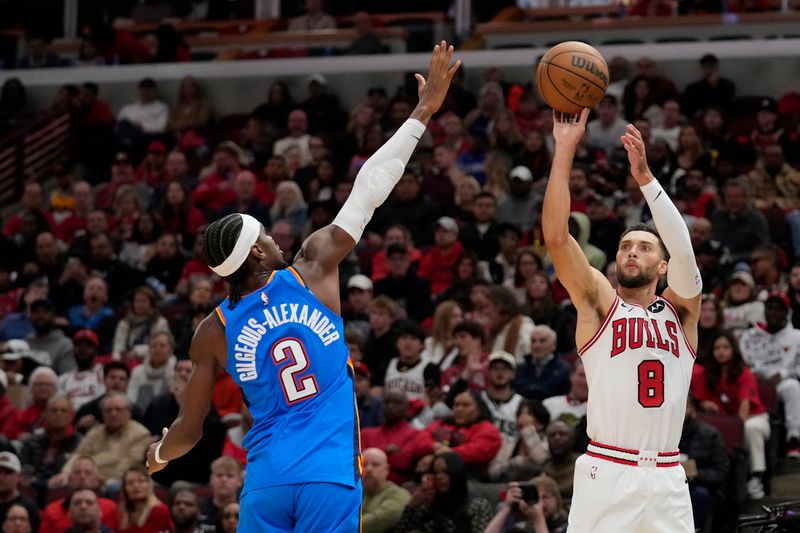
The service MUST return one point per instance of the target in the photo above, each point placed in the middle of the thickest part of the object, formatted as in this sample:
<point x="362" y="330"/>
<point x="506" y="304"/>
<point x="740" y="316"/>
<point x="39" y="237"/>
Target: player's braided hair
<point x="219" y="240"/>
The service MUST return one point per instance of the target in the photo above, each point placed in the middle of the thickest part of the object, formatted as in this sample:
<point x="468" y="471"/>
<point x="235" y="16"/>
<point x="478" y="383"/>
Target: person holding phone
<point x="531" y="507"/>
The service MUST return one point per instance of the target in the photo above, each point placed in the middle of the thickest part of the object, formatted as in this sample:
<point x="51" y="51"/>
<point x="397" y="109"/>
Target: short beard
<point x="634" y="282"/>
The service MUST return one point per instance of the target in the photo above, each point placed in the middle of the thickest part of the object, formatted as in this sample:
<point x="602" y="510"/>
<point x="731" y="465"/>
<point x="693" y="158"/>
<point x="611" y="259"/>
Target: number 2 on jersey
<point x="294" y="390"/>
<point x="651" y="383"/>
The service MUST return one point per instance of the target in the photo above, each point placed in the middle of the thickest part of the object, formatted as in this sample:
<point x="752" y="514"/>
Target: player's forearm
<point x="555" y="211"/>
<point x="179" y="440"/>
<point x="377" y="178"/>
<point x="683" y="276"/>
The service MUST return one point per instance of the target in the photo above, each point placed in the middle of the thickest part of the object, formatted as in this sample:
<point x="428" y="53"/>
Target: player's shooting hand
<point x="152" y="465"/>
<point x="568" y="130"/>
<point x="634" y="145"/>
<point x="432" y="91"/>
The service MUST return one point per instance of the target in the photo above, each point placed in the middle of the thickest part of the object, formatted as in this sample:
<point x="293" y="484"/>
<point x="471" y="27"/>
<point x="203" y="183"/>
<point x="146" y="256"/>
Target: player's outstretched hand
<point x="568" y="130"/>
<point x="634" y="145"/>
<point x="432" y="91"/>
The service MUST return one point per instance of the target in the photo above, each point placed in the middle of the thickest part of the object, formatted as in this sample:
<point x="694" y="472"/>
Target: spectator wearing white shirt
<point x="295" y="147"/>
<point x="670" y="127"/>
<point x="571" y="407"/>
<point x="604" y="131"/>
<point x="148" y="114"/>
<point x="154" y="376"/>
<point x="86" y="382"/>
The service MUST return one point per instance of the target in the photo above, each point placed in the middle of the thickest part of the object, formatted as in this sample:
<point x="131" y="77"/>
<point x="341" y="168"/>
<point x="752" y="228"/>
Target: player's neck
<point x="642" y="295"/>
<point x="256" y="280"/>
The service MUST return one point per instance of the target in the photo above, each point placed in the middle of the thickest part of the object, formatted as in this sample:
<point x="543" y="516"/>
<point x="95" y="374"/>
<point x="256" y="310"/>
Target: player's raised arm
<point x="583" y="282"/>
<point x="208" y="348"/>
<point x="683" y="276"/>
<point x="324" y="249"/>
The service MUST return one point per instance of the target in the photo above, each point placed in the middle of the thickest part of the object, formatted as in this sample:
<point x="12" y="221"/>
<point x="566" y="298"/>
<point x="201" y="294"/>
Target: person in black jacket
<point x="483" y="235"/>
<point x="706" y="463"/>
<point x="543" y="373"/>
<point x="404" y="286"/>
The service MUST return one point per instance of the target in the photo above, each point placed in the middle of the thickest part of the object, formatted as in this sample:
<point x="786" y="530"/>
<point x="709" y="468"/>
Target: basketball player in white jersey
<point x="637" y="349"/>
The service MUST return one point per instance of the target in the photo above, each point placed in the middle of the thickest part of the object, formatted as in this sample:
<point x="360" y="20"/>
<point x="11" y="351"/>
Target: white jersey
<point x="639" y="368"/>
<point x="504" y="414"/>
<point x="411" y="380"/>
<point x="82" y="386"/>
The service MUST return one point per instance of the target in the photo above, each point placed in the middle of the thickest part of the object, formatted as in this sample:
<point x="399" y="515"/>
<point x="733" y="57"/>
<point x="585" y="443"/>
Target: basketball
<point x="571" y="76"/>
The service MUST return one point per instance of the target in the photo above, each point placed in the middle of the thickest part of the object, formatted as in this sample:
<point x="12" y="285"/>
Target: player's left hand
<point x="634" y="145"/>
<point x="432" y="91"/>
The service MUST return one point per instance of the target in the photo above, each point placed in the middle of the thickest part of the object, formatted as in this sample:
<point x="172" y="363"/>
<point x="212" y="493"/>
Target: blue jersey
<point x="287" y="352"/>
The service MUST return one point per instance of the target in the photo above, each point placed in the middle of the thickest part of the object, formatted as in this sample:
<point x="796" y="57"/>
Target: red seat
<point x="730" y="426"/>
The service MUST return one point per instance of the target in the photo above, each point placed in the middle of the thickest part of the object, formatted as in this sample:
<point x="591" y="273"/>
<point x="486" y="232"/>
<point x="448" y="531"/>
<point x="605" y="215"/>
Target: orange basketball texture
<point x="571" y="76"/>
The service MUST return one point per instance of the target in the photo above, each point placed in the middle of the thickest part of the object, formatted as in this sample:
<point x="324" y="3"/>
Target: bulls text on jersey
<point x="632" y="333"/>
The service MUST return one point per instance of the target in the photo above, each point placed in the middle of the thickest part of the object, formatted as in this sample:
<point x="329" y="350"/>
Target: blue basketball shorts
<point x="302" y="508"/>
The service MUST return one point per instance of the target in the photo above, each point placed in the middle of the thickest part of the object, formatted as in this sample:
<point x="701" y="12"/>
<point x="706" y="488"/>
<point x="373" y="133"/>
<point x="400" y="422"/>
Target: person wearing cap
<point x="772" y="351"/>
<point x="295" y="146"/>
<point x="499" y="396"/>
<point x="148" y="115"/>
<point x="43" y="385"/>
<point x="314" y="19"/>
<point x="85" y="383"/>
<point x="303" y="442"/>
<point x="356" y="311"/>
<point x="10" y="478"/>
<point x="520" y="206"/>
<point x="712" y="89"/>
<point x="215" y="189"/>
<point x="48" y="340"/>
<point x="370" y="406"/>
<point x="11" y="360"/>
<point x="437" y="262"/>
<point x="323" y="109"/>
<point x="736" y="223"/>
<point x="740" y="306"/>
<point x="153" y="168"/>
<point x="395" y="435"/>
<point x="405" y="372"/>
<point x="408" y="290"/>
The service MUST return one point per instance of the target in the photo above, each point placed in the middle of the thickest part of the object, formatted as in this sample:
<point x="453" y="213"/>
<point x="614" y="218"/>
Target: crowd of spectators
<point x="467" y="379"/>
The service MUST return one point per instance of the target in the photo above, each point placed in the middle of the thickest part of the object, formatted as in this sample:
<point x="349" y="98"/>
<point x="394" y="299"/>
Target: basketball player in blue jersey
<point x="280" y="336"/>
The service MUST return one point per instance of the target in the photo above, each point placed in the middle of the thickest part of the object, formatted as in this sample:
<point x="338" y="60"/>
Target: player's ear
<point x="662" y="267"/>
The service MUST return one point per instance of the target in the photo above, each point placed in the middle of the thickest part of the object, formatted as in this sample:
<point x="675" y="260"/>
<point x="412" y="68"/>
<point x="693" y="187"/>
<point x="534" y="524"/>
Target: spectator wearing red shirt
<point x="82" y="476"/>
<point x="140" y="510"/>
<point x="95" y="112"/>
<point x="726" y="385"/>
<point x="32" y="202"/>
<point x="437" y="262"/>
<point x="85" y="513"/>
<point x="153" y="168"/>
<point x="215" y="190"/>
<point x="471" y="363"/>
<point x="697" y="201"/>
<point x="395" y="436"/>
<point x="76" y="222"/>
<point x="43" y="385"/>
<point x="469" y="434"/>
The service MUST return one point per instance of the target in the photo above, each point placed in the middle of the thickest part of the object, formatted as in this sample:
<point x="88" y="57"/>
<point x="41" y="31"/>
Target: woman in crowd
<point x="230" y="517"/>
<point x="439" y="347"/>
<point x="522" y="457"/>
<point x="467" y="190"/>
<point x="469" y="433"/>
<point x="179" y="215"/>
<point x="503" y="132"/>
<point x="139" y="509"/>
<point x="498" y="167"/>
<point x="139" y="248"/>
<point x="17" y="519"/>
<point x="691" y="153"/>
<point x="133" y="332"/>
<point x="509" y="329"/>
<point x="546" y="515"/>
<point x="362" y="120"/>
<point x="638" y="102"/>
<point x="724" y="384"/>
<point x="275" y="111"/>
<point x="709" y="326"/>
<point x="193" y="110"/>
<point x="527" y="265"/>
<point x="740" y="308"/>
<point x="289" y="205"/>
<point x="166" y="265"/>
<point x="541" y="306"/>
<point x="466" y="271"/>
<point x="442" y="503"/>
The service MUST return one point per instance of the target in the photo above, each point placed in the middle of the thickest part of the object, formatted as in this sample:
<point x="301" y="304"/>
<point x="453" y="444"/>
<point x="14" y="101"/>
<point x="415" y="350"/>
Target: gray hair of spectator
<point x="739" y="183"/>
<point x="40" y="371"/>
<point x="504" y="300"/>
<point x="550" y="332"/>
<point x="295" y="188"/>
<point x="200" y="279"/>
<point x="114" y="394"/>
<point x="167" y="334"/>
<point x="58" y="398"/>
<point x="493" y="87"/>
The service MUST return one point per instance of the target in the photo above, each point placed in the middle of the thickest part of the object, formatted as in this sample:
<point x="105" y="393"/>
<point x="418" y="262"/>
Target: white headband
<point x="251" y="228"/>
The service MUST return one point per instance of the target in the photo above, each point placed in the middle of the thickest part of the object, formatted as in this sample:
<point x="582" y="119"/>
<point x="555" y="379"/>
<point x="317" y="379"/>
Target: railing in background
<point x="26" y="153"/>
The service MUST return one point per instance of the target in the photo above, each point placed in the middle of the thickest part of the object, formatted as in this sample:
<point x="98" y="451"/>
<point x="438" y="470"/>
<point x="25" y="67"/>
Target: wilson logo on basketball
<point x="590" y="67"/>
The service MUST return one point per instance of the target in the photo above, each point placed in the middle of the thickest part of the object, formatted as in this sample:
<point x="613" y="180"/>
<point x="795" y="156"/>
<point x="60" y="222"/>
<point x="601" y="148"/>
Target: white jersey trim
<point x="602" y="327"/>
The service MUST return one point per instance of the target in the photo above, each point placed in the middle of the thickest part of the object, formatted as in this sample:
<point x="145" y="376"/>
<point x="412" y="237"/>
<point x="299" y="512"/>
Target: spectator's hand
<point x="513" y="494"/>
<point x="439" y="448"/>
<point x="775" y="379"/>
<point x="568" y="130"/>
<point x="433" y="91"/>
<point x="424" y="494"/>
<point x="525" y="420"/>
<point x="709" y="406"/>
<point x="534" y="514"/>
<point x="86" y="422"/>
<point x="391" y="449"/>
<point x="634" y="145"/>
<point x="58" y="481"/>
